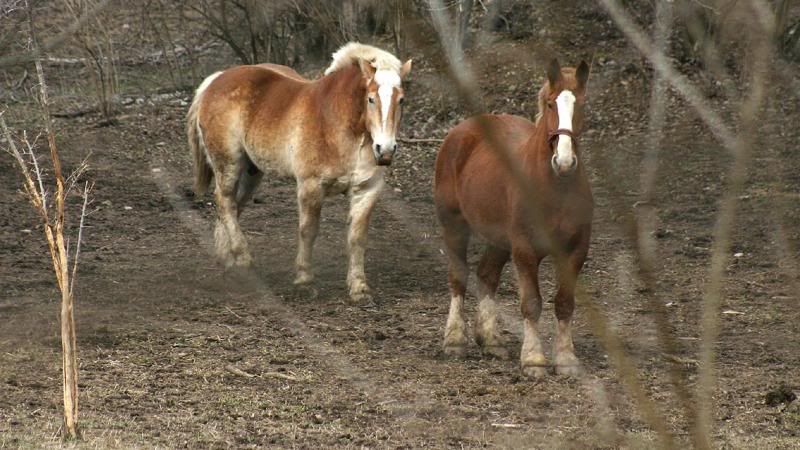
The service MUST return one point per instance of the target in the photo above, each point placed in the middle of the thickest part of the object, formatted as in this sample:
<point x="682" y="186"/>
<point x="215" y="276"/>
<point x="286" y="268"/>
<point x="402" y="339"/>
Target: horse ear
<point x="366" y="68"/>
<point x="582" y="74"/>
<point x="404" y="71"/>
<point x="554" y="72"/>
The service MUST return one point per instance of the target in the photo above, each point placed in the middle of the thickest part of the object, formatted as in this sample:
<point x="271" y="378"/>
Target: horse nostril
<point x="394" y="148"/>
<point x="378" y="148"/>
<point x="574" y="163"/>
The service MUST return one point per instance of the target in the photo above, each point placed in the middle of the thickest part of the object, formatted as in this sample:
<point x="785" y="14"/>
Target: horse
<point x="475" y="193"/>
<point x="335" y="134"/>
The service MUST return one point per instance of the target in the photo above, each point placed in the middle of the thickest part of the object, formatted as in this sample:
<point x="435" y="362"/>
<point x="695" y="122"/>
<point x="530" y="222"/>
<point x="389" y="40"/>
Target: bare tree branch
<point x="58" y="40"/>
<point x="662" y="65"/>
<point x="86" y="190"/>
<point x="712" y="297"/>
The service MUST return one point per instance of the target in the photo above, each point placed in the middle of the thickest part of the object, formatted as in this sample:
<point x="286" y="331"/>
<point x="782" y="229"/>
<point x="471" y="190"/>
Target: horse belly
<point x="484" y="205"/>
<point x="270" y="161"/>
<point x="274" y="153"/>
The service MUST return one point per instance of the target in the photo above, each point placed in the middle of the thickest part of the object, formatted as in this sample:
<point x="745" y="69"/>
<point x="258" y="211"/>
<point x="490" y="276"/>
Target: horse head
<point x="561" y="102"/>
<point x="384" y="107"/>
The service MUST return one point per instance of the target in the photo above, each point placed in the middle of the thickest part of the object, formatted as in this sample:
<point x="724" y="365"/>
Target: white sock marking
<point x="565" y="102"/>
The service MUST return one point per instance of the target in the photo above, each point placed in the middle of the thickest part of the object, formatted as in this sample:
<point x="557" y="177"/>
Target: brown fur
<point x="474" y="193"/>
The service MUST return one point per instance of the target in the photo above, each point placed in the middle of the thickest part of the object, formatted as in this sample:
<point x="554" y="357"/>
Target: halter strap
<point x="553" y="135"/>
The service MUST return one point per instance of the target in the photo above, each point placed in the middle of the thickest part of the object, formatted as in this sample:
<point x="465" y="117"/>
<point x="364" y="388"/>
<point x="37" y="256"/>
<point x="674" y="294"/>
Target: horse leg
<point x="248" y="182"/>
<point x="456" y="240"/>
<point x="489" y="270"/>
<point x="309" y="205"/>
<point x="565" y="360"/>
<point x="230" y="241"/>
<point x="362" y="200"/>
<point x="532" y="358"/>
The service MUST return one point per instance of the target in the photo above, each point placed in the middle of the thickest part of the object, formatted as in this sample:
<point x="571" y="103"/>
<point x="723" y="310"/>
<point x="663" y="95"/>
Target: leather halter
<point x="553" y="135"/>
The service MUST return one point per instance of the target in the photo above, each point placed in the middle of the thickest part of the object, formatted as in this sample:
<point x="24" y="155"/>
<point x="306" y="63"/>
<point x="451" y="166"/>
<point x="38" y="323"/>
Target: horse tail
<point x="202" y="169"/>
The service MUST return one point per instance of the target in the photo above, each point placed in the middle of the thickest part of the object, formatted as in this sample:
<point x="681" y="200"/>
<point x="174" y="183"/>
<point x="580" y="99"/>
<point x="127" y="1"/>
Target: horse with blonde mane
<point x="335" y="134"/>
<point x="475" y="193"/>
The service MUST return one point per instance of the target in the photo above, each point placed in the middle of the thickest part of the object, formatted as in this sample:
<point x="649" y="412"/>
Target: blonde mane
<point x="353" y="51"/>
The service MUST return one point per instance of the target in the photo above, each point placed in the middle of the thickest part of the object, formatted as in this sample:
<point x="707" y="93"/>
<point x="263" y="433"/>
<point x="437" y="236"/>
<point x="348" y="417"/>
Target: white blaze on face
<point x="387" y="80"/>
<point x="565" y="152"/>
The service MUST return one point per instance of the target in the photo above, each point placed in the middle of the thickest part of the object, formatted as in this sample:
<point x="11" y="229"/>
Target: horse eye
<point x="400" y="102"/>
<point x="371" y="99"/>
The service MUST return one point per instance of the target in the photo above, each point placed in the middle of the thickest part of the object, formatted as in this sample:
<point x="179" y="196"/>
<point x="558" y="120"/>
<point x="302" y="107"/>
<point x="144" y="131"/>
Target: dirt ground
<point x="175" y="353"/>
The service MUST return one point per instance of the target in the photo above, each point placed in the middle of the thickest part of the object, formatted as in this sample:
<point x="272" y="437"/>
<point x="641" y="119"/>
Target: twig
<point x="506" y="425"/>
<point x="681" y="360"/>
<point x="86" y="189"/>
<point x="282" y="376"/>
<point x="239" y="372"/>
<point x="420" y="140"/>
<point x="29" y="185"/>
<point x="36" y="171"/>
<point x="233" y="312"/>
<point x="722" y="231"/>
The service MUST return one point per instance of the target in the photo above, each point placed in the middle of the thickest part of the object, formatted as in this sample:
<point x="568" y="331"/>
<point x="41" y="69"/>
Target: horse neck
<point x="341" y="95"/>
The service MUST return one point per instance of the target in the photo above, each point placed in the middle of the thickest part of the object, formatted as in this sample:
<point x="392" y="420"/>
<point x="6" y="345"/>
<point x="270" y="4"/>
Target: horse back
<point x="466" y="149"/>
<point x="285" y="71"/>
<point x="252" y="89"/>
<point x="254" y="107"/>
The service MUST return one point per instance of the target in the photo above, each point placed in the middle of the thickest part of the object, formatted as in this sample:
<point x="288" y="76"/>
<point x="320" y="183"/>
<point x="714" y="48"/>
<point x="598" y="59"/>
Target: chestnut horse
<point x="334" y="135"/>
<point x="475" y="193"/>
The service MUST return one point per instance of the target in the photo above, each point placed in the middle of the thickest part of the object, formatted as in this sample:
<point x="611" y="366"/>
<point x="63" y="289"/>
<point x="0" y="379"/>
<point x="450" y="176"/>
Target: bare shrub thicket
<point x="95" y="42"/>
<point x="287" y="31"/>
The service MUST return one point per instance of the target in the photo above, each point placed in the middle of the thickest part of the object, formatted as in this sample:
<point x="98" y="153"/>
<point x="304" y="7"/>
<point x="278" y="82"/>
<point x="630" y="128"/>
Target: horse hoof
<point x="534" y="372"/>
<point x="455" y="351"/>
<point x="495" y="351"/>
<point x="567" y="364"/>
<point x="359" y="292"/>
<point x="358" y="298"/>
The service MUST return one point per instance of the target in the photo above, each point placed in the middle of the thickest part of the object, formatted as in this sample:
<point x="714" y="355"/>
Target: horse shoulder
<point x="456" y="149"/>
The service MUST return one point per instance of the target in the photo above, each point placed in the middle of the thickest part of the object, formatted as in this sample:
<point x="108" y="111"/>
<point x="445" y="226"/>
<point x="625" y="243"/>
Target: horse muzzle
<point x="565" y="159"/>
<point x="564" y="170"/>
<point x="384" y="157"/>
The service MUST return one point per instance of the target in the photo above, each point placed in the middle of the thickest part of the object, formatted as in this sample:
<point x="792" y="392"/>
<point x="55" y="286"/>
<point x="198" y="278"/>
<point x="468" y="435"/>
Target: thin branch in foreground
<point x="724" y="226"/>
<point x="642" y="227"/>
<point x="86" y="189"/>
<point x="660" y="63"/>
<point x="468" y="91"/>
